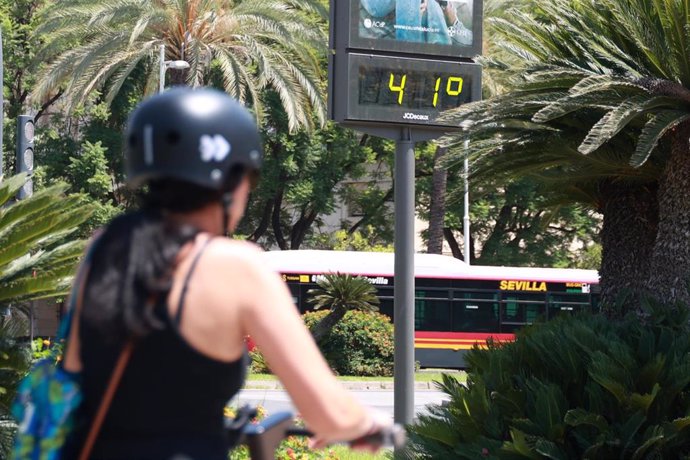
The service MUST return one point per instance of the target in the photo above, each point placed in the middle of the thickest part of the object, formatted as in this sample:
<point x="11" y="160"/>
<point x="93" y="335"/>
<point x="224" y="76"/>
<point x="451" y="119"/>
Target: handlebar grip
<point x="393" y="436"/>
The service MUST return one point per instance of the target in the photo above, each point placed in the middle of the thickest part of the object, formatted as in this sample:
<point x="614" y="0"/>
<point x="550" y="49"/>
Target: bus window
<point x="294" y="290"/>
<point x="386" y="306"/>
<point x="304" y="305"/>
<point x="475" y="312"/>
<point x="519" y="309"/>
<point x="568" y="303"/>
<point x="432" y="283"/>
<point x="432" y="311"/>
<point x="385" y="295"/>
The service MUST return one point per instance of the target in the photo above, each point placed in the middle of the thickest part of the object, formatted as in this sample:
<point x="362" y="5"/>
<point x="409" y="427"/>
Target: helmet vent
<point x="173" y="137"/>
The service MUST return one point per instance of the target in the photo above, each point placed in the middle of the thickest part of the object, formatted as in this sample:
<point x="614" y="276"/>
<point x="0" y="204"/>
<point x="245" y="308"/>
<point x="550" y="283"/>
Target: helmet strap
<point x="226" y="201"/>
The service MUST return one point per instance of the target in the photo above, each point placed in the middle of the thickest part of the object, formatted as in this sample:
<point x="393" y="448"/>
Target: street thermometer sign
<point x="394" y="67"/>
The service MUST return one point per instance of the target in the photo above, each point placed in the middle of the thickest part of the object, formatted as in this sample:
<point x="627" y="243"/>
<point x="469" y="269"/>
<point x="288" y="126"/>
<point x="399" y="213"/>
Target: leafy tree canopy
<point x="253" y="45"/>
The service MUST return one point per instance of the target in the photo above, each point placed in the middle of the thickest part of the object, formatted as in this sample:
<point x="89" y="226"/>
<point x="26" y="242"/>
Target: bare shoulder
<point x="241" y="267"/>
<point x="239" y="248"/>
<point x="242" y="256"/>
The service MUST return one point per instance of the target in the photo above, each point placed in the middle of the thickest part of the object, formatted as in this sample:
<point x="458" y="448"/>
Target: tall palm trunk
<point x="437" y="206"/>
<point x="627" y="238"/>
<point x="669" y="272"/>
<point x="321" y="328"/>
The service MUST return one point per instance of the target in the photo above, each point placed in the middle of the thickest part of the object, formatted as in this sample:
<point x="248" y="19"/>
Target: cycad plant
<point x="573" y="388"/>
<point x="598" y="103"/>
<point x="37" y="260"/>
<point x="339" y="293"/>
<point x="245" y="46"/>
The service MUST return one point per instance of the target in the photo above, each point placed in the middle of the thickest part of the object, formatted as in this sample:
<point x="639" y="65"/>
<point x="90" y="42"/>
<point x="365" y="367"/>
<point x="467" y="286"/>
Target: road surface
<point x="278" y="400"/>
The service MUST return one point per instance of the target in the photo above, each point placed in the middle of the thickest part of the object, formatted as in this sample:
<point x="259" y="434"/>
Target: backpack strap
<point x="107" y="398"/>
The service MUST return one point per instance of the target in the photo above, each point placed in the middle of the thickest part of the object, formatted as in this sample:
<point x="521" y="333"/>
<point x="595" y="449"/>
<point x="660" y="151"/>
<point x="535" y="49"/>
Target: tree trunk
<point x="327" y="323"/>
<point x="452" y="243"/>
<point x="275" y="219"/>
<point x="627" y="237"/>
<point x="504" y="223"/>
<point x="367" y="217"/>
<point x="669" y="273"/>
<point x="437" y="206"/>
<point x="263" y="223"/>
<point x="301" y="227"/>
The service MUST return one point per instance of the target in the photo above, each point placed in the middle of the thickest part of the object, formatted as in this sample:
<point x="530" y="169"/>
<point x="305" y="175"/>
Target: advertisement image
<point x="444" y="23"/>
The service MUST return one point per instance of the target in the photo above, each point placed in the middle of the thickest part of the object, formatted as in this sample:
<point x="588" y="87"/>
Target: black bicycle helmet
<point x="193" y="135"/>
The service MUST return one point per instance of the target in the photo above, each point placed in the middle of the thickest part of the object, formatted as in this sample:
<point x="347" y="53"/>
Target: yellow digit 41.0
<point x="400" y="88"/>
<point x="438" y="85"/>
<point x="457" y="81"/>
<point x="453" y="87"/>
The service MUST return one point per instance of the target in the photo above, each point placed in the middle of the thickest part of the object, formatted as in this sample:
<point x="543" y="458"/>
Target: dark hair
<point x="133" y="259"/>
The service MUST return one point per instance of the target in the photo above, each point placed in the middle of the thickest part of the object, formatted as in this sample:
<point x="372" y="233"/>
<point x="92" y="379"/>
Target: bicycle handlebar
<point x="264" y="437"/>
<point x="394" y="436"/>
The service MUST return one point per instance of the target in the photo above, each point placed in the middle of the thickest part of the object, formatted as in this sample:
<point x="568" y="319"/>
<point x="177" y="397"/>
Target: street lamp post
<point x="164" y="65"/>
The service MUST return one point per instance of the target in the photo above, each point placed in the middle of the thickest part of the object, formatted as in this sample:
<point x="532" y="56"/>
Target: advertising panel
<point x="449" y="28"/>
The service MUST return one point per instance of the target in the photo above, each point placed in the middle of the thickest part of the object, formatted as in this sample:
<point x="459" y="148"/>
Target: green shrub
<point x="258" y="364"/>
<point x="43" y="348"/>
<point x="574" y="387"/>
<point x="360" y="344"/>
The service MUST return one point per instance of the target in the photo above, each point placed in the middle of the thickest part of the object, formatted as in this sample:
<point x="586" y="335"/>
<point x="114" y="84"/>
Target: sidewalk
<point x="350" y="385"/>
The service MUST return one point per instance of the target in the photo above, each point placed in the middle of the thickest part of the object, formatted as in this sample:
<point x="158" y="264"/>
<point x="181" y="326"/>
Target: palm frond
<point x="654" y="129"/>
<point x="36" y="261"/>
<point x="10" y="186"/>
<point x="617" y="119"/>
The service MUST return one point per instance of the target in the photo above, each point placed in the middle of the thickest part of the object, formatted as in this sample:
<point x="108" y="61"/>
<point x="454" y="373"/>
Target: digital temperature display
<point x="390" y="89"/>
<point x="412" y="90"/>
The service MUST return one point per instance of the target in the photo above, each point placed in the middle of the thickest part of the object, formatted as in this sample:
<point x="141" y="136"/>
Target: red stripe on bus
<point x="463" y="335"/>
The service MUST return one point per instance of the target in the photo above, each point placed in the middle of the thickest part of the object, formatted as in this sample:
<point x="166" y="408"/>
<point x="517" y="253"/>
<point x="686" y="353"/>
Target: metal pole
<point x="161" y="69"/>
<point x="466" y="217"/>
<point x="403" y="303"/>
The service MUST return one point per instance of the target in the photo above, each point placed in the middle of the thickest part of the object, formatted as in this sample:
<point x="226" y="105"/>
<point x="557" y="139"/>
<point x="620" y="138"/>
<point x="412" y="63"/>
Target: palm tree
<point x="37" y="260"/>
<point x="340" y="293"/>
<point x="599" y="105"/>
<point x="248" y="45"/>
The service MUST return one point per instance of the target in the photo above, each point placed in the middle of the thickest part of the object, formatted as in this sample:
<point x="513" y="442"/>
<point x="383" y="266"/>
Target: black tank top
<point x="170" y="401"/>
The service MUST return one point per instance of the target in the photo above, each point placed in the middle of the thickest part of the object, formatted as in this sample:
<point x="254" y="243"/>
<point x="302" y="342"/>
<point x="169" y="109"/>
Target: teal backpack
<point x="47" y="399"/>
<point x="49" y="396"/>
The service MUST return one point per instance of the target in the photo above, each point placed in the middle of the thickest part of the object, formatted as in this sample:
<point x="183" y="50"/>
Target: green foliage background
<point x="359" y="344"/>
<point x="571" y="388"/>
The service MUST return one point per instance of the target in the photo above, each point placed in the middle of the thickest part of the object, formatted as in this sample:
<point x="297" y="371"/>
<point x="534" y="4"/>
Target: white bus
<point x="457" y="305"/>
